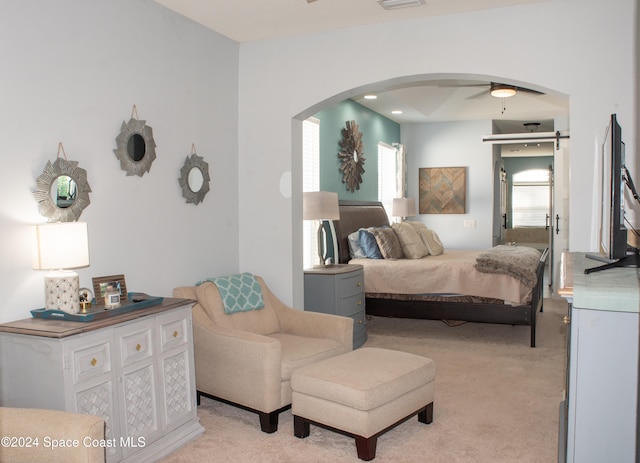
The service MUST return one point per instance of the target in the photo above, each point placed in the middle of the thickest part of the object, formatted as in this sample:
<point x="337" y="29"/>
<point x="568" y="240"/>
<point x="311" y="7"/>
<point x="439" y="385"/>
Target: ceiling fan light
<point x="502" y="91"/>
<point x="393" y="4"/>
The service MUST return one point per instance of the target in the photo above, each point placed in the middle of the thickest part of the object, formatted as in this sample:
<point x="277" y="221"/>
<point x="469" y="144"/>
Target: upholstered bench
<point x="363" y="393"/>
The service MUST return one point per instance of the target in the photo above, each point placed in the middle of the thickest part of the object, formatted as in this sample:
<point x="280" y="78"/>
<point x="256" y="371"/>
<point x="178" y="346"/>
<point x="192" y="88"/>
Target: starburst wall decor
<point x="351" y="156"/>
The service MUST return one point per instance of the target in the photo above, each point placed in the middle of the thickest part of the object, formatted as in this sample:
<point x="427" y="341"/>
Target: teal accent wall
<point x="374" y="127"/>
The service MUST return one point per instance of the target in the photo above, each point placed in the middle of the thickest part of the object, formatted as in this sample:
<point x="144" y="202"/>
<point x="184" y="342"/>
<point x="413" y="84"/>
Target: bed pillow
<point x="432" y="241"/>
<point x="368" y="244"/>
<point x="412" y="245"/>
<point x="388" y="243"/>
<point x="355" y="250"/>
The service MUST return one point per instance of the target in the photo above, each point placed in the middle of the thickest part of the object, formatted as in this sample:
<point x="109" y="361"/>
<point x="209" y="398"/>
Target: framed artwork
<point x="101" y="284"/>
<point x="442" y="190"/>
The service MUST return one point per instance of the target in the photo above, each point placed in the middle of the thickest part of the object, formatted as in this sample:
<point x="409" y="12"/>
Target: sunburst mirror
<point x="194" y="178"/>
<point x="62" y="191"/>
<point x="136" y="147"/>
<point x="351" y="156"/>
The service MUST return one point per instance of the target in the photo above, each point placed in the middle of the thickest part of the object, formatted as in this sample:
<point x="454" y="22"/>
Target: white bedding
<point x="451" y="272"/>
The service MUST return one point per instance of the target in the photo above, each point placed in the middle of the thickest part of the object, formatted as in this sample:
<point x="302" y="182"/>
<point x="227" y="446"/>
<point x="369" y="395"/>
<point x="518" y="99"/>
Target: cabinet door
<point x="91" y="378"/>
<point x="138" y="385"/>
<point x="177" y="371"/>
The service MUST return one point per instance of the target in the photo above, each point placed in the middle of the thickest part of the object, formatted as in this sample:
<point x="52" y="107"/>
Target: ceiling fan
<point x="497" y="90"/>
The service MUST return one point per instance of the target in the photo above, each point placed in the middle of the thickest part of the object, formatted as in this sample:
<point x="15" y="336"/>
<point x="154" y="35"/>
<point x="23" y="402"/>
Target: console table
<point x="135" y="370"/>
<point x="598" y="417"/>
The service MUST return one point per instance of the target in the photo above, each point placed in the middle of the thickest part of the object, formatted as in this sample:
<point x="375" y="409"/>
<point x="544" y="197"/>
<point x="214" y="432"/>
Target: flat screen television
<point x="613" y="232"/>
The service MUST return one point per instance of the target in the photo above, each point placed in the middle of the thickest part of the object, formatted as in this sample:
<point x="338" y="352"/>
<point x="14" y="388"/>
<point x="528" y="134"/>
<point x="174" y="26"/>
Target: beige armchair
<point x="36" y="435"/>
<point x="247" y="358"/>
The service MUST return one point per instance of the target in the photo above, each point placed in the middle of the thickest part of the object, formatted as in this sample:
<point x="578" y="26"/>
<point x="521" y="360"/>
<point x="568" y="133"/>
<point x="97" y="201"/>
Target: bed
<point x="391" y="285"/>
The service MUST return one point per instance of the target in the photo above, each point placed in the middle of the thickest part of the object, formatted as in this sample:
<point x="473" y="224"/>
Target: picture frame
<point x="442" y="190"/>
<point x="101" y="284"/>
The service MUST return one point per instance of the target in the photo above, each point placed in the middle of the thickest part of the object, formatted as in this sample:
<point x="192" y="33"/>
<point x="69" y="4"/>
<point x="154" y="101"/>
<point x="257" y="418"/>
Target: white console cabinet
<point x="598" y="418"/>
<point x="135" y="370"/>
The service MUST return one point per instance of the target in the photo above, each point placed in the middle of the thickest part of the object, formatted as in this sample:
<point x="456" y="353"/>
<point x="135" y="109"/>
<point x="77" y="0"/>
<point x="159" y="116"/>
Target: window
<point x="530" y="203"/>
<point x="387" y="176"/>
<point x="310" y="182"/>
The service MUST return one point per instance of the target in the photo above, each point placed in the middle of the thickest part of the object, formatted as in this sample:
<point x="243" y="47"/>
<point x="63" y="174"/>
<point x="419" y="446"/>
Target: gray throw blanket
<point x="520" y="262"/>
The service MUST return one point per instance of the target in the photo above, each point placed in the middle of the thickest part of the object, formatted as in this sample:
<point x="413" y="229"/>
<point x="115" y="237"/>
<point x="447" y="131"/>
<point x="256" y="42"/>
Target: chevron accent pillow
<point x="240" y="292"/>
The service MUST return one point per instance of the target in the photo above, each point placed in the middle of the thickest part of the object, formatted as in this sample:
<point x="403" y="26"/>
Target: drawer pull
<point x="359" y="303"/>
<point x="138" y="347"/>
<point x="93" y="362"/>
<point x="359" y="322"/>
<point x="175" y="334"/>
<point x="359" y="284"/>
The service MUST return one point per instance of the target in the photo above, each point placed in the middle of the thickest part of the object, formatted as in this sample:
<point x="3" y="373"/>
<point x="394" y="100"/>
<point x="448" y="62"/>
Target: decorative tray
<point x="97" y="312"/>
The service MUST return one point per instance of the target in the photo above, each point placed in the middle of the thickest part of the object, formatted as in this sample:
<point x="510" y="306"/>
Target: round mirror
<point x="62" y="191"/>
<point x="194" y="179"/>
<point x="136" y="147"/>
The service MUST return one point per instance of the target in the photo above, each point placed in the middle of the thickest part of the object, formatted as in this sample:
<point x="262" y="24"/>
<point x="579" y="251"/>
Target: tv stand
<point x="629" y="261"/>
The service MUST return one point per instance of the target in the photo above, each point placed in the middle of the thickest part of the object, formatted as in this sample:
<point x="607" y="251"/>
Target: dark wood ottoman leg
<point x="426" y="414"/>
<point x="366" y="447"/>
<point x="301" y="427"/>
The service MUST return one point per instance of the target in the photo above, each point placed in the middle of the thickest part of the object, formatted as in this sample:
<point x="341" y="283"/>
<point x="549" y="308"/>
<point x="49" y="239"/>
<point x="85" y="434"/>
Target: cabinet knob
<point x="93" y="362"/>
<point x="359" y="322"/>
<point x="138" y="347"/>
<point x="175" y="334"/>
<point x="359" y="303"/>
<point x="566" y="320"/>
<point x="359" y="284"/>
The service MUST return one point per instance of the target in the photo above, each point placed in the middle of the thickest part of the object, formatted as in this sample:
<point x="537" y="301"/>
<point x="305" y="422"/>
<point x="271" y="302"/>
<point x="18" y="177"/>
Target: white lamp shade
<point x="403" y="207"/>
<point x="61" y="245"/>
<point x="320" y="205"/>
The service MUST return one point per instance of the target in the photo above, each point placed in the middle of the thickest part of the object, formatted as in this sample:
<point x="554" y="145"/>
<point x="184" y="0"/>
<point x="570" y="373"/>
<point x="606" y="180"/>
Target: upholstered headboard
<point x="353" y="216"/>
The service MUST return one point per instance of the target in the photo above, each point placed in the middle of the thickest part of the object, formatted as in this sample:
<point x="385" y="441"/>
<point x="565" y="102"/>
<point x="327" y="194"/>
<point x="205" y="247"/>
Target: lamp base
<point x="62" y="291"/>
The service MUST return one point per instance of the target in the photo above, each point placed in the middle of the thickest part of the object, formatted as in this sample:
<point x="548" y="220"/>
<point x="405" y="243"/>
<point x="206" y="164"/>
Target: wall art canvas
<point x="443" y="190"/>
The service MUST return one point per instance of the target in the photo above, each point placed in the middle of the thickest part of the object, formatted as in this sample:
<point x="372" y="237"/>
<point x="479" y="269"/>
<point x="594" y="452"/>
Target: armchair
<point x="246" y="358"/>
<point x="49" y="427"/>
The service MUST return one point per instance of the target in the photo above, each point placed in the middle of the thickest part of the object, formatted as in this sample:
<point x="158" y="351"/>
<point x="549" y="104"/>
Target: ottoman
<point x="363" y="393"/>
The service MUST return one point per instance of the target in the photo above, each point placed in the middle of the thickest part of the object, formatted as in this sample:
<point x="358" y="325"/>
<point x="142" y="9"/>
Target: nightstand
<point x="339" y="290"/>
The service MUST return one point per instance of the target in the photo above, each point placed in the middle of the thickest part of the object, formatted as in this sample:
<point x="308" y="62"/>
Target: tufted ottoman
<point x="363" y="393"/>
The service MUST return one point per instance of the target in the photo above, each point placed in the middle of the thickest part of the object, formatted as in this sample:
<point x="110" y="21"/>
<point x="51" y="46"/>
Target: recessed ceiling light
<point x="393" y="4"/>
<point x="396" y="111"/>
<point x="370" y="97"/>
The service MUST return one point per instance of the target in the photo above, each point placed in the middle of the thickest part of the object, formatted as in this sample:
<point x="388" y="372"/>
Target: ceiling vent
<point x="395" y="4"/>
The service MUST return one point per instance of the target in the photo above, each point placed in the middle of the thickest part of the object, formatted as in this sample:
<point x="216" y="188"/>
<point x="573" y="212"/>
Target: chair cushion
<point x="264" y="321"/>
<point x="298" y="351"/>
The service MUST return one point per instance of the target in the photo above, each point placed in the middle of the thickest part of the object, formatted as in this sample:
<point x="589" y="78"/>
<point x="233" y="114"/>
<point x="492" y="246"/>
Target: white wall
<point x="455" y="144"/>
<point x="71" y="72"/>
<point x="587" y="45"/>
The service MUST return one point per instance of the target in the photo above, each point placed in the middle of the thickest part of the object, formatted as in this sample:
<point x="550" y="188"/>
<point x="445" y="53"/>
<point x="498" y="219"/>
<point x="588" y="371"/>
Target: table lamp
<point x="403" y="207"/>
<point x="320" y="205"/>
<point x="59" y="247"/>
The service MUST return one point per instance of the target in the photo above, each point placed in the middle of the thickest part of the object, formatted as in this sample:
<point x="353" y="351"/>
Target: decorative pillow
<point x="388" y="243"/>
<point x="412" y="245"/>
<point x="417" y="225"/>
<point x="239" y="293"/>
<point x="432" y="241"/>
<point x="369" y="244"/>
<point x="355" y="250"/>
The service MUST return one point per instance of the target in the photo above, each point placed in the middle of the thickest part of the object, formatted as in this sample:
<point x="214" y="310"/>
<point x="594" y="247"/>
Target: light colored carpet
<point x="496" y="400"/>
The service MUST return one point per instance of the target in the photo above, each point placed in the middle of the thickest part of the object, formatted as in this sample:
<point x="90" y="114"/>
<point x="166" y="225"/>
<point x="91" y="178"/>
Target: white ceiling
<point x="432" y="101"/>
